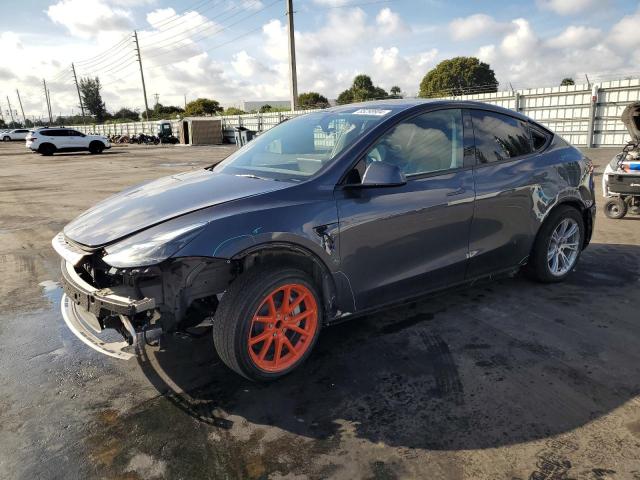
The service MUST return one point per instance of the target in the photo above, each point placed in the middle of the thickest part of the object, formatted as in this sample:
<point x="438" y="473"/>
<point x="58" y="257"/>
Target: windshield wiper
<point x="251" y="175"/>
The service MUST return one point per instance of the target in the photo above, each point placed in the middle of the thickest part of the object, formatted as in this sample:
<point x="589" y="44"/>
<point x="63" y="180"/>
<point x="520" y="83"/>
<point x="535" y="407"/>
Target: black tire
<point x="233" y="319"/>
<point x="6" y="138"/>
<point x="538" y="267"/>
<point x="96" y="147"/>
<point x="615" y="208"/>
<point x="46" y="149"/>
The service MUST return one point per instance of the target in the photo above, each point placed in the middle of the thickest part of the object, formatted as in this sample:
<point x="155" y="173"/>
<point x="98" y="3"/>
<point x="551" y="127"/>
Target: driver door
<point x="401" y="241"/>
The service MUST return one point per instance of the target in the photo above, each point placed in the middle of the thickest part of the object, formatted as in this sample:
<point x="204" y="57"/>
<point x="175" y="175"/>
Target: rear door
<point x="505" y="179"/>
<point x="396" y="242"/>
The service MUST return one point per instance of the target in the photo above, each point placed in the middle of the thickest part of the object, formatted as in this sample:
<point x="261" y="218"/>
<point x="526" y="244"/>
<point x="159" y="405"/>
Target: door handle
<point x="459" y="191"/>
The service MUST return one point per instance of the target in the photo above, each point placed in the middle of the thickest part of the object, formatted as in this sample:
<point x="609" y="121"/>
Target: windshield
<point x="297" y="149"/>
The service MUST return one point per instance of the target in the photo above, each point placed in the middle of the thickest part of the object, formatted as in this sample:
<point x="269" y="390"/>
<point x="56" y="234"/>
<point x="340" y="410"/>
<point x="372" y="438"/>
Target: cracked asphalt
<point x="507" y="379"/>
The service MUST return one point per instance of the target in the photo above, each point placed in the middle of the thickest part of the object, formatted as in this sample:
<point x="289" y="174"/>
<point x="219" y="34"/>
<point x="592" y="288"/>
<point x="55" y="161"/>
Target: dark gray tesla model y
<point x="324" y="217"/>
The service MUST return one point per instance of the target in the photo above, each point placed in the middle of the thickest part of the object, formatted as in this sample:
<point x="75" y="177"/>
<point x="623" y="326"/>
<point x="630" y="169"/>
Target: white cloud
<point x="331" y="3"/>
<point x="248" y="66"/>
<point x="389" y="22"/>
<point x="389" y="59"/>
<point x="88" y="18"/>
<point x="575" y="37"/>
<point x="475" y="25"/>
<point x="521" y="42"/>
<point x="625" y="33"/>
<point x="570" y="7"/>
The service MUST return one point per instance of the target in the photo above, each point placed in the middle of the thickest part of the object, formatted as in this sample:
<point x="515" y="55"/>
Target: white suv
<point x="17" y="134"/>
<point x="48" y="141"/>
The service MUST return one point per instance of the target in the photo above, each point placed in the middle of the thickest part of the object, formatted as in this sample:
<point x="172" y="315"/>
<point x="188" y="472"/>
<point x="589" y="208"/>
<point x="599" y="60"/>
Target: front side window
<point x="499" y="137"/>
<point x="298" y="148"/>
<point x="427" y="143"/>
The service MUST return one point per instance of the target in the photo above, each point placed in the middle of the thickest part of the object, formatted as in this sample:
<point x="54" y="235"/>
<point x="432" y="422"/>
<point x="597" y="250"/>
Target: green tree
<point x="202" y="106"/>
<point x="265" y="108"/>
<point x="395" y="92"/>
<point x="92" y="99"/>
<point x="361" y="90"/>
<point x="567" y="81"/>
<point x="312" y="100"/>
<point x="233" y="111"/>
<point x="126" y="114"/>
<point x="457" y="76"/>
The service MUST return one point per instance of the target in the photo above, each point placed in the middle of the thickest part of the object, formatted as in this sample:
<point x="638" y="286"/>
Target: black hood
<point x="631" y="119"/>
<point x="145" y="205"/>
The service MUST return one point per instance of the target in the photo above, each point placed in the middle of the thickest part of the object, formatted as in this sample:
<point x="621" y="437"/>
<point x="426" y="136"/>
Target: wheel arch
<point x="581" y="208"/>
<point x="45" y="145"/>
<point x="294" y="255"/>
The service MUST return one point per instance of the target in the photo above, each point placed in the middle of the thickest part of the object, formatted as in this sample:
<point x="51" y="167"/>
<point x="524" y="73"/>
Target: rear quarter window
<point x="499" y="137"/>
<point x="539" y="138"/>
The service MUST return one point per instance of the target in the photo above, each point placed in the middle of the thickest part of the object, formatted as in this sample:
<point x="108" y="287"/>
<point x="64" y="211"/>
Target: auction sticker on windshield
<point x="371" y="111"/>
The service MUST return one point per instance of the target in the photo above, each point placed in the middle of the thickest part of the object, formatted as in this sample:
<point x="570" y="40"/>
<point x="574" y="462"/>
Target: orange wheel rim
<point x="283" y="327"/>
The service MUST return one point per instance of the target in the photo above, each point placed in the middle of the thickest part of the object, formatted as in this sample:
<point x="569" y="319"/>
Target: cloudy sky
<point x="236" y="50"/>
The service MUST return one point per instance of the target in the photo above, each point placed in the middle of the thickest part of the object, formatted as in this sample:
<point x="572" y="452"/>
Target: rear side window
<point x="499" y="137"/>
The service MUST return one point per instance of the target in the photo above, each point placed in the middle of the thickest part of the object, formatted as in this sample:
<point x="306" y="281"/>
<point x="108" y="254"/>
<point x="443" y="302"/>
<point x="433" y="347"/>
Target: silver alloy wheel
<point x="563" y="247"/>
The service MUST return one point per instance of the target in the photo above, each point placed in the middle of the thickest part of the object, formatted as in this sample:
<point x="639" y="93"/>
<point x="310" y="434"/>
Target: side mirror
<point x="381" y="174"/>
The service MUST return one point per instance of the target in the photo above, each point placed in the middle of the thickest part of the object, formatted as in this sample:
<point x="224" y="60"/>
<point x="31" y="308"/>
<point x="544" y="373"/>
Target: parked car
<point x="15" y="134"/>
<point x="326" y="217"/>
<point x="48" y="141"/>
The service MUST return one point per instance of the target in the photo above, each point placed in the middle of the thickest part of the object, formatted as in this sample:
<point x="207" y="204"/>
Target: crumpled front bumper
<point x="83" y="305"/>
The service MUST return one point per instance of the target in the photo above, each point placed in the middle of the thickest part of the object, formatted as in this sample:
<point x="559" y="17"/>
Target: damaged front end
<point x="171" y="295"/>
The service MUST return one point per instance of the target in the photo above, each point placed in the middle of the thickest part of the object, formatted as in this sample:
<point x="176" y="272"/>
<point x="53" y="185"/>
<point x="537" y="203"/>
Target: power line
<point x="204" y="26"/>
<point x="356" y="4"/>
<point x="220" y="30"/>
<point x="160" y="29"/>
<point x="175" y="17"/>
<point x="105" y="52"/>
<point x="220" y="45"/>
<point x="107" y="63"/>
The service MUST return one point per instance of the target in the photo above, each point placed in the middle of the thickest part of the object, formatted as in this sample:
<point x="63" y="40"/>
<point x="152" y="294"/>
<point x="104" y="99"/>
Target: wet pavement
<point x="505" y="380"/>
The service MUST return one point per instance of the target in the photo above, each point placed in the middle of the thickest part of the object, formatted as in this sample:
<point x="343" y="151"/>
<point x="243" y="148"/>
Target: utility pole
<point x="24" y="119"/>
<point x="49" y="100"/>
<point x="185" y="101"/>
<point x="10" y="111"/>
<point x="144" y="88"/>
<point x="75" y="79"/>
<point x="46" y="98"/>
<point x="292" y="56"/>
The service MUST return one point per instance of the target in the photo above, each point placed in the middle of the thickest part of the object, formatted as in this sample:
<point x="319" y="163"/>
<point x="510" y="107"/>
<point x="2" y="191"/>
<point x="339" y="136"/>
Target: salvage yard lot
<point x="505" y="380"/>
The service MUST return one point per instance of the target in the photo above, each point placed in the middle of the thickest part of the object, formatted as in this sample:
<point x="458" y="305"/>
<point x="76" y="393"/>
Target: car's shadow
<point x="499" y="363"/>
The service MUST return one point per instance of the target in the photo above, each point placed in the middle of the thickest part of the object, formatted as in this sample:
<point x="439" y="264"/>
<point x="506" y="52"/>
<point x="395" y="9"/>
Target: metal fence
<point x="585" y="115"/>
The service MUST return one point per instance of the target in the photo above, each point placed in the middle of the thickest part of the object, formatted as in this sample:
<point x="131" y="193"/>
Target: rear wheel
<point x="267" y="322"/>
<point x="615" y="208"/>
<point x="47" y="149"/>
<point x="558" y="246"/>
<point x="96" y="147"/>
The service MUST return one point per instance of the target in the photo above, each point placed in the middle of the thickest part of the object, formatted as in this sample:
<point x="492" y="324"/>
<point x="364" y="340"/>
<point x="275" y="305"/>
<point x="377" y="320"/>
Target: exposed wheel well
<point x="284" y="255"/>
